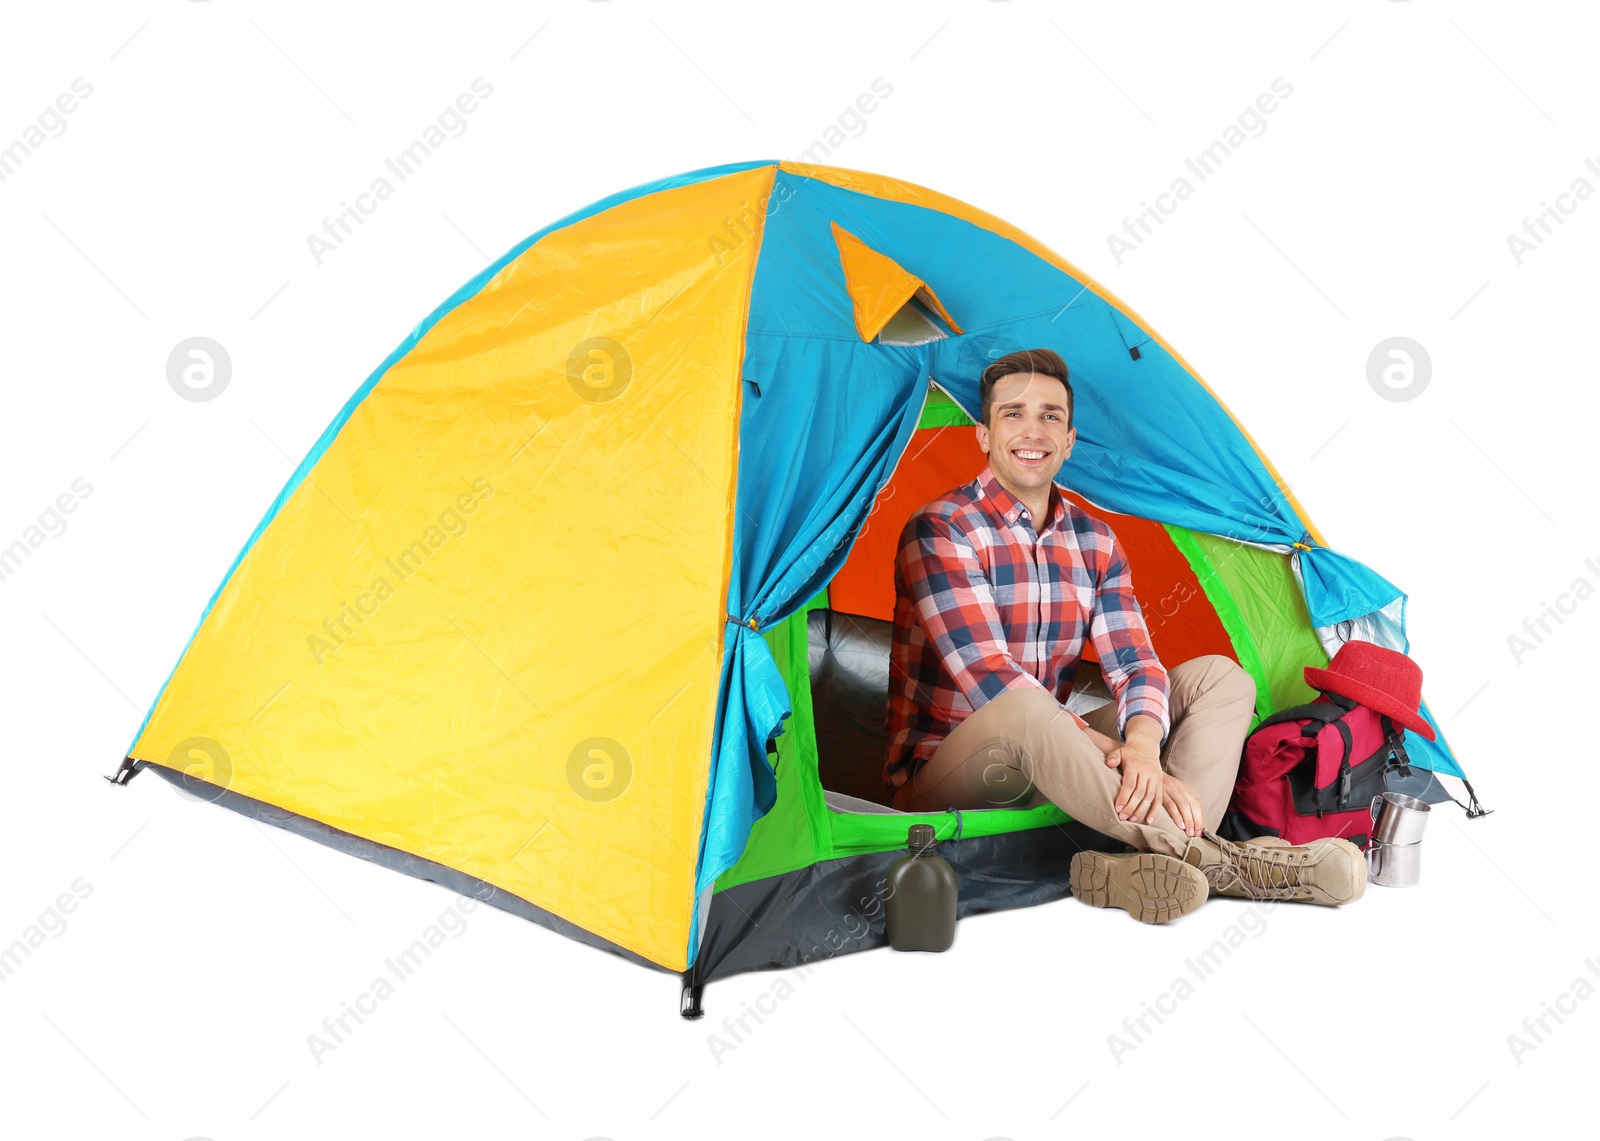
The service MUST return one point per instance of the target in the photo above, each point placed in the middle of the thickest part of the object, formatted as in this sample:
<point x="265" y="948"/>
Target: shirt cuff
<point x="1149" y="709"/>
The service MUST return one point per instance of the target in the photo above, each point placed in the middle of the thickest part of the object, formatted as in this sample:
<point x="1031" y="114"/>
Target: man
<point x="999" y="584"/>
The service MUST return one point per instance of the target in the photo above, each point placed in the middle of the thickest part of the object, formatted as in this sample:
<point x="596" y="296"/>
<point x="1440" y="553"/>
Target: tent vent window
<point x="912" y="324"/>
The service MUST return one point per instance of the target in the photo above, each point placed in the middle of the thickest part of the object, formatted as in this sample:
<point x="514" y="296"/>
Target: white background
<point x="178" y="999"/>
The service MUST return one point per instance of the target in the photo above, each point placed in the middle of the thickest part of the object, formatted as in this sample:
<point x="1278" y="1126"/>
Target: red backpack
<point x="1312" y="771"/>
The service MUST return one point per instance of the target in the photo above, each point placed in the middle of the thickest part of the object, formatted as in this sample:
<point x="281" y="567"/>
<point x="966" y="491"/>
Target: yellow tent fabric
<point x="409" y="651"/>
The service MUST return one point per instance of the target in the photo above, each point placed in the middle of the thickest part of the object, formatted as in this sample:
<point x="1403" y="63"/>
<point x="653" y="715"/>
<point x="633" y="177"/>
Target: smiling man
<point x="1001" y="586"/>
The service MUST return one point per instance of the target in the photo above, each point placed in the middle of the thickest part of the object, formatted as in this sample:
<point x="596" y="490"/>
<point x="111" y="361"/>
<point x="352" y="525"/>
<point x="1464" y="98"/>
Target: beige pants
<point x="1023" y="748"/>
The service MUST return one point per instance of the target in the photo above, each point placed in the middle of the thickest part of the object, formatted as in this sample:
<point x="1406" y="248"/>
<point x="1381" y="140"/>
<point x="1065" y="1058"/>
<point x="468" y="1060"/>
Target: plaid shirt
<point x="983" y="604"/>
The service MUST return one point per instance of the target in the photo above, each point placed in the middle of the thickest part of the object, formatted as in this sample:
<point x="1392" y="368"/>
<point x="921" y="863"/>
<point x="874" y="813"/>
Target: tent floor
<point x="836" y="907"/>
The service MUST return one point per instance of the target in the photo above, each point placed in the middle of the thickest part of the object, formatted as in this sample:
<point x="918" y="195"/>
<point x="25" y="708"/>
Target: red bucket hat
<point x="1384" y="679"/>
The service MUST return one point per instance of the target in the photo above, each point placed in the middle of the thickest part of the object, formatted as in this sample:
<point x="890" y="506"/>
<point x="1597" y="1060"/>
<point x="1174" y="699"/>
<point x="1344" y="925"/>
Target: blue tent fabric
<point x="1435" y="754"/>
<point x="833" y="416"/>
<point x="826" y="451"/>
<point x="1338" y="588"/>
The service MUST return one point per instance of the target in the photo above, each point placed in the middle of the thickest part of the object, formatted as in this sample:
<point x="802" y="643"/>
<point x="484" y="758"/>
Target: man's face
<point x="1027" y="438"/>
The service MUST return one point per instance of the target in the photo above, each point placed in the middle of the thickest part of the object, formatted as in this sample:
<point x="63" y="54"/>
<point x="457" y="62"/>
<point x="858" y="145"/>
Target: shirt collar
<point x="1010" y="508"/>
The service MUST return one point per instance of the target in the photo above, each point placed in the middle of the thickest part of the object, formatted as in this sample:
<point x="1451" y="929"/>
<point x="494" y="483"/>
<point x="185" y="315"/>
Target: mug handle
<point x="1372" y="809"/>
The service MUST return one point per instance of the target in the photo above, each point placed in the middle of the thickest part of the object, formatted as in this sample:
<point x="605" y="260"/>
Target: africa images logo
<point x="452" y="523"/>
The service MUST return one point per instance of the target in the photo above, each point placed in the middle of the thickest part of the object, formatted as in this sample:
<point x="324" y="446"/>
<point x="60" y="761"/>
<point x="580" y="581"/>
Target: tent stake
<point x="126" y="772"/>
<point x="689" y="1003"/>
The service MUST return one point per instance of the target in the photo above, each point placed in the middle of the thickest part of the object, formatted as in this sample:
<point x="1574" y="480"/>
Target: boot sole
<point x="1150" y="887"/>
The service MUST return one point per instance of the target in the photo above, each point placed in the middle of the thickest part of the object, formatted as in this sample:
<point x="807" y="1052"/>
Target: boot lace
<point x="1260" y="874"/>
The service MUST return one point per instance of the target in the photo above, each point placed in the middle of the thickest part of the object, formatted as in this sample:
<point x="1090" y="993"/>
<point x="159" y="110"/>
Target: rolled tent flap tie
<point x="1349" y="601"/>
<point x="1341" y="589"/>
<point x="751" y="712"/>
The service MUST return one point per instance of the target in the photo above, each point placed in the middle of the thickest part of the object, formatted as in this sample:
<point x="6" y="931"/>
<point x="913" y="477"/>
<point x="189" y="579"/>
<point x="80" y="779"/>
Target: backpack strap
<point x="1320" y="712"/>
<point x="1344" y="705"/>
<point x="1395" y="737"/>
<point x="1317" y="716"/>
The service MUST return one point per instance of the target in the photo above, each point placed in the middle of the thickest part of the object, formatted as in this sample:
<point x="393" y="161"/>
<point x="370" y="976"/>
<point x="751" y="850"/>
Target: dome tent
<point x="578" y="604"/>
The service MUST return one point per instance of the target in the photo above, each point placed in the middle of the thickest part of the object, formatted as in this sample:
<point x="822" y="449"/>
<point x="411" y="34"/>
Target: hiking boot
<point x="1330" y="871"/>
<point x="1147" y="885"/>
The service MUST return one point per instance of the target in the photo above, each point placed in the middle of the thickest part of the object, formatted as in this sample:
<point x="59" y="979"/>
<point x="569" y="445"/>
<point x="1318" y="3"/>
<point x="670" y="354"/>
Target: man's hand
<point x="1142" y="779"/>
<point x="1182" y="805"/>
<point x="1105" y="744"/>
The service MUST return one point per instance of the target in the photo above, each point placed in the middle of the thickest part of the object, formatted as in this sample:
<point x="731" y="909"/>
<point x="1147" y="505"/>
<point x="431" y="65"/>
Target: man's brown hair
<point x="1045" y="362"/>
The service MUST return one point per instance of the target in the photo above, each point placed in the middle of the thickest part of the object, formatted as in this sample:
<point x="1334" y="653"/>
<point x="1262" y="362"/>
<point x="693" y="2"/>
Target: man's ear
<point x="983" y="439"/>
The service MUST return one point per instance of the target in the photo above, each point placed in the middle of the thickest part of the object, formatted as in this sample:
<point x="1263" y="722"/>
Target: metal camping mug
<point x="1398" y="818"/>
<point x="1394" y="865"/>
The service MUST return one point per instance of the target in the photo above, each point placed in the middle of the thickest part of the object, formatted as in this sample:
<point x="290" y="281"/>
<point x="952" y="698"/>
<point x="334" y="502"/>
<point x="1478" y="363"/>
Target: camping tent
<point x="579" y="603"/>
